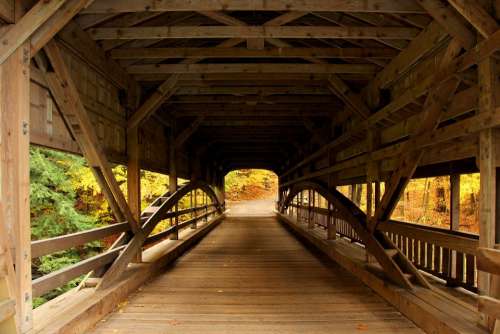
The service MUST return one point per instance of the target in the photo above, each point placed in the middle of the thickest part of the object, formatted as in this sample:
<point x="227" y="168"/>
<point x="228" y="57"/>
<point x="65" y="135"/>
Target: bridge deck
<point x="250" y="275"/>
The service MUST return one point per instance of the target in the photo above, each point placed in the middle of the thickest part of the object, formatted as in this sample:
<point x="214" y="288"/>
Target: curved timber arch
<point x="162" y="206"/>
<point x="395" y="264"/>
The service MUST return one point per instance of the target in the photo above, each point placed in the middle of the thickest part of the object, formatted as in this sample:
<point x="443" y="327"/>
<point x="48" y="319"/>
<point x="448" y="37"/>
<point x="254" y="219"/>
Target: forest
<point x="65" y="198"/>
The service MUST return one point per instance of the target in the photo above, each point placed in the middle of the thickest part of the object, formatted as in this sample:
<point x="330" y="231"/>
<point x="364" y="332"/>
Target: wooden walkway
<point x="250" y="275"/>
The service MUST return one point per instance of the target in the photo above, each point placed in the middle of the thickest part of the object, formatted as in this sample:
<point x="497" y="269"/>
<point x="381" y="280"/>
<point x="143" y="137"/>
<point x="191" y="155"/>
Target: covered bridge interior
<point x="325" y="93"/>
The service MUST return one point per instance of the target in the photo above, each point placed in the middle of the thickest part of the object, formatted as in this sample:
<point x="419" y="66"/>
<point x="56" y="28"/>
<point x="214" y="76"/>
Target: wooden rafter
<point x="181" y="138"/>
<point x="387" y="6"/>
<point x="420" y="46"/>
<point x="433" y="107"/>
<point x="475" y="13"/>
<point x="350" y="98"/>
<point x="252" y="68"/>
<point x="308" y="32"/>
<point x="18" y="33"/>
<point x="56" y="22"/>
<point x="276" y="52"/>
<point x="155" y="100"/>
<point x="65" y="93"/>
<point x="449" y="20"/>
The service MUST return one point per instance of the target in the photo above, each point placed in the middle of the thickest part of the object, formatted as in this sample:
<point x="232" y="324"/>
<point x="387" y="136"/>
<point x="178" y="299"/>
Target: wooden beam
<point x="488" y="167"/>
<point x="15" y="179"/>
<point x="373" y="6"/>
<point x="490" y="306"/>
<point x="476" y="15"/>
<point x="155" y="100"/>
<point x="252" y="90"/>
<point x="252" y="68"/>
<point x="18" y="33"/>
<point x="481" y="52"/>
<point x="134" y="19"/>
<point x="217" y="52"/>
<point x="253" y="32"/>
<point x="66" y="95"/>
<point x="56" y="22"/>
<point x="134" y="174"/>
<point x="350" y="98"/>
<point x="425" y="42"/>
<point x="48" y="246"/>
<point x="188" y="132"/>
<point x="78" y="41"/>
<point x="7" y="278"/>
<point x="454" y="202"/>
<point x="450" y="20"/>
<point x="435" y="103"/>
<point x="488" y="260"/>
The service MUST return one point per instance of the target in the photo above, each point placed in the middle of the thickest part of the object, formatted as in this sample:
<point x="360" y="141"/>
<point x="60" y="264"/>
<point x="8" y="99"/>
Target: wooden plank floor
<point x="250" y="275"/>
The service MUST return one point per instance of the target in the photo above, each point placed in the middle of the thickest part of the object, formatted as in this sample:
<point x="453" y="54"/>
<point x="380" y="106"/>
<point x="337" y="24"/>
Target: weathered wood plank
<point x="253" y="32"/>
<point x="52" y="245"/>
<point x="18" y="33"/>
<point x="15" y="186"/>
<point x="276" y="52"/>
<point x="252" y="68"/>
<point x="57" y="278"/>
<point x="116" y="6"/>
<point x="488" y="260"/>
<point x="155" y="100"/>
<point x="262" y="253"/>
<point x="56" y="22"/>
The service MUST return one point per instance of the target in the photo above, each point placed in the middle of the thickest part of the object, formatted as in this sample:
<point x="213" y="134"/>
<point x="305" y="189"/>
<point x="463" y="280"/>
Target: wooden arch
<point x="394" y="263"/>
<point x="164" y="204"/>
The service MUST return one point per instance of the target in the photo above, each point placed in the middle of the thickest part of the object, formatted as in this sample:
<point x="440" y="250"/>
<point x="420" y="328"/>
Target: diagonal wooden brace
<point x="65" y="93"/>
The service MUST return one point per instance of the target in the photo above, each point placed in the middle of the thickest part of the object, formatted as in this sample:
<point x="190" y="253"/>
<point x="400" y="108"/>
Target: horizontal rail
<point x="449" y="255"/>
<point x="177" y="213"/>
<point x="57" y="278"/>
<point x="56" y="244"/>
<point x="441" y="237"/>
<point x="170" y="230"/>
<point x="163" y="207"/>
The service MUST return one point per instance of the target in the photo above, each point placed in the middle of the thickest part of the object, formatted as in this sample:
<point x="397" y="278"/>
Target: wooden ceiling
<point x="260" y="83"/>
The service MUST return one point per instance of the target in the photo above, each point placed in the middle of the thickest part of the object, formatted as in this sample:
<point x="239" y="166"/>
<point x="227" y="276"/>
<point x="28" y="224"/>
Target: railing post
<point x="450" y="255"/>
<point x="309" y="209"/>
<point x="194" y="213"/>
<point x="310" y="199"/>
<point x="205" y="203"/>
<point x="332" y="224"/>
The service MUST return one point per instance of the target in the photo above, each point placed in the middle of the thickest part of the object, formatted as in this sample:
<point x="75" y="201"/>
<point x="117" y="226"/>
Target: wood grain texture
<point x="251" y="276"/>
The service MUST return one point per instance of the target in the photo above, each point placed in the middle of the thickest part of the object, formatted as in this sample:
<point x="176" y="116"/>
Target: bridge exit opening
<point x="251" y="191"/>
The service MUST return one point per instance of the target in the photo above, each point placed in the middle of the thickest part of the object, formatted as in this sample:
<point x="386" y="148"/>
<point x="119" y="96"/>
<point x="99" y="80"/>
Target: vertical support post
<point x="134" y="178"/>
<point x="372" y="177"/>
<point x="192" y="203"/>
<point x="369" y="199"/>
<point x="172" y="176"/>
<point x="454" y="224"/>
<point x="332" y="223"/>
<point x="299" y="203"/>
<point x="310" y="220"/>
<point x="455" y="202"/>
<point x="487" y="284"/>
<point x="205" y="203"/>
<point x="14" y="176"/>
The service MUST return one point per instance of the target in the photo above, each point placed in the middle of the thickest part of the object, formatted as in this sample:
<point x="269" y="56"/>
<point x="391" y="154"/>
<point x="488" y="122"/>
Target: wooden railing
<point x="446" y="254"/>
<point x="179" y="219"/>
